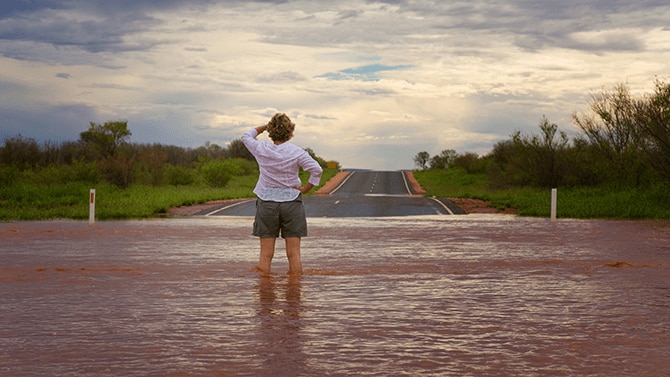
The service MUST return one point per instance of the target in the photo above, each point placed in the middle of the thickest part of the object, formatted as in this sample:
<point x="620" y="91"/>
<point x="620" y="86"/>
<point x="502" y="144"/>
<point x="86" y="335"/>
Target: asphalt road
<point x="361" y="194"/>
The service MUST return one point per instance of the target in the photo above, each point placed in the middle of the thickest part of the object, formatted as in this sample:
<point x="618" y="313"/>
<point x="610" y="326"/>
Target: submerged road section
<point x="360" y="194"/>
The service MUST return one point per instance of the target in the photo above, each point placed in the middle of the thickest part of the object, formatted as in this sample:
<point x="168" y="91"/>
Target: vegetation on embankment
<point x="31" y="198"/>
<point x="616" y="166"/>
<point x="650" y="202"/>
<point x="53" y="180"/>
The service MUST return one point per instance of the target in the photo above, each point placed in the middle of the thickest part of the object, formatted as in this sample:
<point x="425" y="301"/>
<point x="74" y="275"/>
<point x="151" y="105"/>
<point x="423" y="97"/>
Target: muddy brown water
<point x="475" y="295"/>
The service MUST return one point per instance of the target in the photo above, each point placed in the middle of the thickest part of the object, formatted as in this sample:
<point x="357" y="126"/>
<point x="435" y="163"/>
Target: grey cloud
<point x="112" y="86"/>
<point x="10" y="8"/>
<point x="92" y="36"/>
<point x="319" y="116"/>
<point x="352" y="13"/>
<point x="111" y="8"/>
<point x="433" y="36"/>
<point x="56" y="123"/>
<point x="532" y="25"/>
<point x="612" y="41"/>
<point x="536" y="25"/>
<point x="93" y="26"/>
<point x="282" y="77"/>
<point x="616" y="41"/>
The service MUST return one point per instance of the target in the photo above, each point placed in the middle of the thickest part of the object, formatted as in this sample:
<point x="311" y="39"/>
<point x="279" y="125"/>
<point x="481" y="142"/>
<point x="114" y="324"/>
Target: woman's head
<point x="280" y="127"/>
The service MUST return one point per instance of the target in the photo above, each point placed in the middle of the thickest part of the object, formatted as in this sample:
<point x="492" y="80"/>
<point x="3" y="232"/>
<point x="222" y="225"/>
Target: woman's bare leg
<point x="267" y="252"/>
<point x="293" y="255"/>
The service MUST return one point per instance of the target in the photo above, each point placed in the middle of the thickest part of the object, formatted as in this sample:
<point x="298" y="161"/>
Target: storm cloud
<point x="368" y="83"/>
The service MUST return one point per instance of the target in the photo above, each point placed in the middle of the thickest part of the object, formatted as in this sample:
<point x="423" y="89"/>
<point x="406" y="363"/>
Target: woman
<point x="279" y="208"/>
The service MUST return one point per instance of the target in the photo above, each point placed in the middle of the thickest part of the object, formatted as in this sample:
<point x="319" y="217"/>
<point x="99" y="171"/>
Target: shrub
<point x="86" y="172"/>
<point x="118" y="170"/>
<point x="246" y="167"/>
<point x="9" y="175"/>
<point x="218" y="173"/>
<point x="178" y="175"/>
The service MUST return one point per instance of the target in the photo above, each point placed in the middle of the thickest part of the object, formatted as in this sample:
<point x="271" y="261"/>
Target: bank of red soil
<point x="479" y="206"/>
<point x="416" y="187"/>
<point x="332" y="183"/>
<point x="466" y="204"/>
<point x="195" y="208"/>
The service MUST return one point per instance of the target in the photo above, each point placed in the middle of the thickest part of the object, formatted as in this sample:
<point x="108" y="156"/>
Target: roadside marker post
<point x="91" y="207"/>
<point x="553" y="204"/>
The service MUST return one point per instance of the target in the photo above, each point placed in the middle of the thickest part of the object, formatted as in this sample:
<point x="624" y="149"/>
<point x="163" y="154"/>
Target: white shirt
<point x="279" y="165"/>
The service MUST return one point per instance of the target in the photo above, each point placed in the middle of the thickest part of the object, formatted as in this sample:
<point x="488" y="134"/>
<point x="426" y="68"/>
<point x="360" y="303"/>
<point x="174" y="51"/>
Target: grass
<point x="37" y="200"/>
<point x="573" y="202"/>
<point x="41" y="201"/>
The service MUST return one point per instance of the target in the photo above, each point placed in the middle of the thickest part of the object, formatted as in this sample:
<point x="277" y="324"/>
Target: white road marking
<point x="443" y="205"/>
<point x="343" y="182"/>
<point x="388" y="195"/>
<point x="230" y="206"/>
<point x="405" y="180"/>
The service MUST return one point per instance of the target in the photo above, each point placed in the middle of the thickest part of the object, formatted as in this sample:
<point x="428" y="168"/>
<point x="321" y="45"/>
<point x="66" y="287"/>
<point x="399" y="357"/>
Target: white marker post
<point x="553" y="204"/>
<point x="91" y="208"/>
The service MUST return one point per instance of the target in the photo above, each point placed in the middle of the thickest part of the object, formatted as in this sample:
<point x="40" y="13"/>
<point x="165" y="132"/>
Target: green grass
<point x="573" y="202"/>
<point x="39" y="201"/>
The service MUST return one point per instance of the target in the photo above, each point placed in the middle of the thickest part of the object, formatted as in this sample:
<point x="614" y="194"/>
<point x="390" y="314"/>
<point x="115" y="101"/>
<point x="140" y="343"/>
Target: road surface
<point x="361" y="194"/>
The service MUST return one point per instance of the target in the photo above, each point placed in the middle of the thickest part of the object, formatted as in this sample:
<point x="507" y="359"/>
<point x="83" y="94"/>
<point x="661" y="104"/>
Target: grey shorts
<point x="280" y="218"/>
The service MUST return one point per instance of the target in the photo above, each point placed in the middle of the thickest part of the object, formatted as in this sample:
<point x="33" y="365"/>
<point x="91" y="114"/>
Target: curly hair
<point x="280" y="127"/>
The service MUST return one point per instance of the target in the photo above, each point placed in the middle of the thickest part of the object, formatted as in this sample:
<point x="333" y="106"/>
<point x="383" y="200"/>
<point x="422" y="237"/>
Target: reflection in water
<point x="440" y="295"/>
<point x="280" y="311"/>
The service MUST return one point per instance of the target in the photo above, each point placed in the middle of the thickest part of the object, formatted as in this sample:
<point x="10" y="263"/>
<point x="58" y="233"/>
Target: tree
<point x="443" y="160"/>
<point x="504" y="170"/>
<point x="535" y="160"/>
<point x="322" y="162"/>
<point x="470" y="162"/>
<point x="104" y="139"/>
<point x="119" y="168"/>
<point x="103" y="142"/>
<point x="611" y="128"/>
<point x="150" y="160"/>
<point x="21" y="152"/>
<point x="237" y="149"/>
<point x="421" y="159"/>
<point x="543" y="155"/>
<point x="653" y="115"/>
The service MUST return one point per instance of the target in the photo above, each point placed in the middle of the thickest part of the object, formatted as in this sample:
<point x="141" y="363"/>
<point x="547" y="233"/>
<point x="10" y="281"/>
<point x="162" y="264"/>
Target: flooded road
<point x="475" y="295"/>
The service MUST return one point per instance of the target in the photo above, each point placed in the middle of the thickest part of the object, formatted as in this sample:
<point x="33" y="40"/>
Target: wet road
<point x="361" y="194"/>
<point x="475" y="295"/>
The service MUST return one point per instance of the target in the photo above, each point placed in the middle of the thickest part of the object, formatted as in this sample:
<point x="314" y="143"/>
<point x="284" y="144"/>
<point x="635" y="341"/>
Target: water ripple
<point x="473" y="296"/>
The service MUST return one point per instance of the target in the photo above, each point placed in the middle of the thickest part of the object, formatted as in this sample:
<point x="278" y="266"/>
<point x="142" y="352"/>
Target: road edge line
<point x="342" y="183"/>
<point x="442" y="204"/>
<point x="228" y="206"/>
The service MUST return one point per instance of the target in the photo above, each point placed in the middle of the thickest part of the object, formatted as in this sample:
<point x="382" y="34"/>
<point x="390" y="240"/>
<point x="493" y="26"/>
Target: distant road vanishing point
<point x="360" y="194"/>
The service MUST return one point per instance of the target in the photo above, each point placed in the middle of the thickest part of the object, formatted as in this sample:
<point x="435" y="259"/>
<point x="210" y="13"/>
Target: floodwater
<point x="474" y="295"/>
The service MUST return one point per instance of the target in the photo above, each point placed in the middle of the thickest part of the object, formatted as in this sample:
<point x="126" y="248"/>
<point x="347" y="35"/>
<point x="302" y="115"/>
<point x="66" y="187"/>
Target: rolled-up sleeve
<point x="279" y="165"/>
<point x="310" y="165"/>
<point x="249" y="139"/>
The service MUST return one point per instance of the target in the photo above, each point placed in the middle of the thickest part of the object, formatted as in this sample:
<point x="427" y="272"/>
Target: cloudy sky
<point x="368" y="83"/>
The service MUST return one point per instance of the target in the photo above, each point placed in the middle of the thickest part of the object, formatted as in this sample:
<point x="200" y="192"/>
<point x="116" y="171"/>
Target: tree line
<point x="623" y="140"/>
<point x="104" y="152"/>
